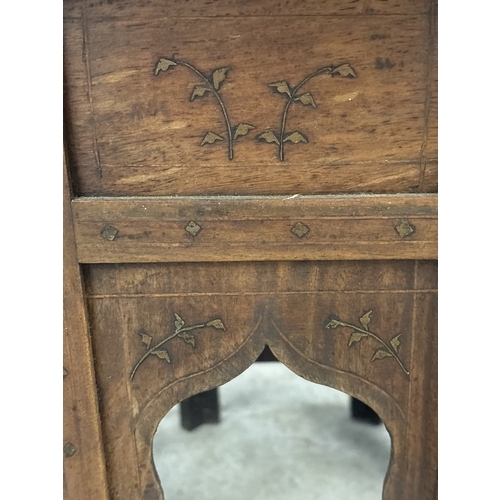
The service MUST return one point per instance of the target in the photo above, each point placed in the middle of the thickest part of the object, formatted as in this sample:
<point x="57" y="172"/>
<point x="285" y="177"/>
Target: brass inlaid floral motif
<point x="291" y="94"/>
<point x="387" y="350"/>
<point x="211" y="85"/>
<point x="186" y="333"/>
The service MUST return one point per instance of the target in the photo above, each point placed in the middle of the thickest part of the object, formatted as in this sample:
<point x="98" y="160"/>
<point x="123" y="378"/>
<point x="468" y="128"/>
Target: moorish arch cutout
<point x="266" y="331"/>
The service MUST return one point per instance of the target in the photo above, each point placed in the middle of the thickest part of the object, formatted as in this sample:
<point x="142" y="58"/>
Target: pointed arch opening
<point x="279" y="436"/>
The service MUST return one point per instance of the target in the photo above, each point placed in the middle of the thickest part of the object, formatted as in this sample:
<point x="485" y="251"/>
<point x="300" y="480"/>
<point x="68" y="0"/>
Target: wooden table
<point x="241" y="175"/>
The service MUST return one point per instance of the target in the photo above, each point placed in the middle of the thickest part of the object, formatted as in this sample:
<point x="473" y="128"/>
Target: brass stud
<point x="404" y="228"/>
<point x="300" y="230"/>
<point x="109" y="232"/>
<point x="69" y="449"/>
<point x="193" y="229"/>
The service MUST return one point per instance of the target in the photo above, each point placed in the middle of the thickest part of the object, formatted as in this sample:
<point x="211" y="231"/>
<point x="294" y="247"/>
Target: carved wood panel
<point x="251" y="88"/>
<point x="169" y="105"/>
<point x="163" y="332"/>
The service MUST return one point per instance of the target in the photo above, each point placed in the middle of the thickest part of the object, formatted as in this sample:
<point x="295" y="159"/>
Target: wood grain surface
<point x="137" y="309"/>
<point x="236" y="229"/>
<point x="84" y="462"/>
<point x="134" y="133"/>
<point x="247" y="173"/>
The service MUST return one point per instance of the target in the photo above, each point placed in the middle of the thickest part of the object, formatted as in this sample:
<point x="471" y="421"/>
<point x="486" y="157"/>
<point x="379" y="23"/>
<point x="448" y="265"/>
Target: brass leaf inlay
<point x="217" y="323"/>
<point x="295" y="137"/>
<point x="293" y="97"/>
<point x="356" y="337"/>
<point x="145" y="339"/>
<point x="211" y="85"/>
<point x="243" y="129"/>
<point x="185" y="333"/>
<point x="198" y="91"/>
<point x="218" y="76"/>
<point x="306" y="99"/>
<point x="395" y="342"/>
<point x="344" y="70"/>
<point x="386" y="350"/>
<point x="210" y="138"/>
<point x="268" y="136"/>
<point x="365" y="319"/>
<point x="164" y="65"/>
<point x="281" y="88"/>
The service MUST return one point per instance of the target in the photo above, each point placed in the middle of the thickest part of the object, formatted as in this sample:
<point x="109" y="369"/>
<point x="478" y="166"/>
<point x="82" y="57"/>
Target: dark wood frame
<point x="85" y="463"/>
<point x="290" y="227"/>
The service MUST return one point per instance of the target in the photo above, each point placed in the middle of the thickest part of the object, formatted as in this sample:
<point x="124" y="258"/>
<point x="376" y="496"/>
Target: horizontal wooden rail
<point x="196" y="229"/>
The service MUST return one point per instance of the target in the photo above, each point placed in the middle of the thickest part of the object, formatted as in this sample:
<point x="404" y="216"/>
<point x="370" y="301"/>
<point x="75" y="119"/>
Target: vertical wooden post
<point x="421" y="478"/>
<point x="84" y="464"/>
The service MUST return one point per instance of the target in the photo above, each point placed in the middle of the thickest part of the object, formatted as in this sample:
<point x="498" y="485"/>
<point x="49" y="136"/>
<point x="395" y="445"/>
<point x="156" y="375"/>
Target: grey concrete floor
<point x="280" y="437"/>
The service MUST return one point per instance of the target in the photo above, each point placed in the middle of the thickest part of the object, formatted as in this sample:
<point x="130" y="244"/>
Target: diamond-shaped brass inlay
<point x="192" y="228"/>
<point x="404" y="228"/>
<point x="300" y="229"/>
<point x="109" y="232"/>
<point x="69" y="449"/>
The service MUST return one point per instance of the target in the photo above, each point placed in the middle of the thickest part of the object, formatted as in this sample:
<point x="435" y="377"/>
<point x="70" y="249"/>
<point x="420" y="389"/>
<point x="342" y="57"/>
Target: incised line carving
<point x="292" y="96"/>
<point x="182" y="331"/>
<point x="211" y="85"/>
<point x="387" y="350"/>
